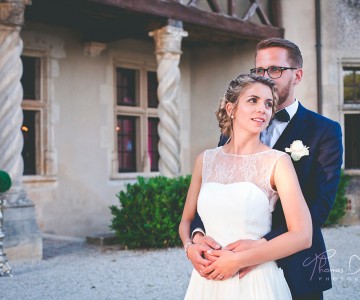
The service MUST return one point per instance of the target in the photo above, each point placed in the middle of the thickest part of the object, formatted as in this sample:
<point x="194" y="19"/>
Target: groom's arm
<point x="326" y="180"/>
<point x="197" y="225"/>
<point x="320" y="194"/>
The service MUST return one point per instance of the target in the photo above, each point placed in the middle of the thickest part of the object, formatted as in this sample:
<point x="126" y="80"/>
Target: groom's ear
<point x="298" y="76"/>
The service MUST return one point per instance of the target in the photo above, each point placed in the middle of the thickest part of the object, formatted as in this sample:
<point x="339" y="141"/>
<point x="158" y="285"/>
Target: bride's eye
<point x="269" y="104"/>
<point x="252" y="100"/>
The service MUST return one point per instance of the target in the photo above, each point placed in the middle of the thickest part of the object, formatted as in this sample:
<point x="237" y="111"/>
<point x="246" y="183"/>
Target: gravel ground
<point x="72" y="269"/>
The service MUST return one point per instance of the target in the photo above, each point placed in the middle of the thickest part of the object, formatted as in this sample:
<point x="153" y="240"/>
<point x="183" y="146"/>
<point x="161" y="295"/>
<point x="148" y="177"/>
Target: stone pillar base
<point x="23" y="240"/>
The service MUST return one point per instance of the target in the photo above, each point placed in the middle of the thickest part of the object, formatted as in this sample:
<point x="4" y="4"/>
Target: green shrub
<point x="339" y="207"/>
<point x="5" y="181"/>
<point x="150" y="212"/>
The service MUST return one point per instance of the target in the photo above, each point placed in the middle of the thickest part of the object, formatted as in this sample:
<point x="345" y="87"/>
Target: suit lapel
<point x="293" y="130"/>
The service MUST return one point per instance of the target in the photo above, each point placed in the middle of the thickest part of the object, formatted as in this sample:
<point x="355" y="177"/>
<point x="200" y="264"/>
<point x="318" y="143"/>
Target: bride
<point x="234" y="188"/>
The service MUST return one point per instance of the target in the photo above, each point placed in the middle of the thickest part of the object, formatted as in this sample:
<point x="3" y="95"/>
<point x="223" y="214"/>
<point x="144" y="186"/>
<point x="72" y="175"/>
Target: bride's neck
<point x="240" y="146"/>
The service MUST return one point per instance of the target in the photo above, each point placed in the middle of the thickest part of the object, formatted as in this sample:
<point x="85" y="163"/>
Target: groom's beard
<point x="284" y="93"/>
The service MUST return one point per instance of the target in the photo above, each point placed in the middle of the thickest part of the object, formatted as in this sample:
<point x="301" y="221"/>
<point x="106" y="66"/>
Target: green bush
<point x="339" y="207"/>
<point x="150" y="212"/>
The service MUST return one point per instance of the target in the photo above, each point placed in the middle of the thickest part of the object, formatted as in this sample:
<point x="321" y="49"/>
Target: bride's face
<point x="254" y="109"/>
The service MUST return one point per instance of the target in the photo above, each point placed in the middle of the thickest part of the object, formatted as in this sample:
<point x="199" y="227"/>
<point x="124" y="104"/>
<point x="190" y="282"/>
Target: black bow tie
<point x="282" y="116"/>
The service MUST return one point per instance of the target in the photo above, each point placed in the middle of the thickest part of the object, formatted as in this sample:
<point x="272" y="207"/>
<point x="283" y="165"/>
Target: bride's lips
<point x="261" y="120"/>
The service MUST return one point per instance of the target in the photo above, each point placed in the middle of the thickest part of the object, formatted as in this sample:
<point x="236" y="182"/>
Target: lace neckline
<point x="244" y="155"/>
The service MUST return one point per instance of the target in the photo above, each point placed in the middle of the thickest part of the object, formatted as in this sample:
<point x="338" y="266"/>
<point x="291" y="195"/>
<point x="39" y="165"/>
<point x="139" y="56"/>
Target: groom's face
<point x="285" y="84"/>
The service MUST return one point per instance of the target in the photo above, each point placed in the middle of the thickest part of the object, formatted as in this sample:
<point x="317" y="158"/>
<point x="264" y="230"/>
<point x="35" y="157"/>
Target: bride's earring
<point x="232" y="117"/>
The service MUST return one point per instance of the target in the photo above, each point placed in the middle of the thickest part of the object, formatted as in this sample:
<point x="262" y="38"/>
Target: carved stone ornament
<point x="94" y="49"/>
<point x="168" y="39"/>
<point x="12" y="12"/>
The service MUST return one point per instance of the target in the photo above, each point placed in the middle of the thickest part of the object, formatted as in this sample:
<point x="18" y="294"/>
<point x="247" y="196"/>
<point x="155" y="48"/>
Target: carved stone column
<point x="168" y="51"/>
<point x="19" y="210"/>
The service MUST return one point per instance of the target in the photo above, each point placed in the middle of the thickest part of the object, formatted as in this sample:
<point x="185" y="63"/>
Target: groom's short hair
<point x="294" y="52"/>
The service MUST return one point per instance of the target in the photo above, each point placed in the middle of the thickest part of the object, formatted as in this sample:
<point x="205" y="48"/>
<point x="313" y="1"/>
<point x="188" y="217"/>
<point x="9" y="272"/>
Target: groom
<point x="307" y="272"/>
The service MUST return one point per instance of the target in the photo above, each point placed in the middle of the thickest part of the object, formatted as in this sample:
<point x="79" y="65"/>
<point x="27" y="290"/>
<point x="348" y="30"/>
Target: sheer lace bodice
<point x="220" y="167"/>
<point x="235" y="202"/>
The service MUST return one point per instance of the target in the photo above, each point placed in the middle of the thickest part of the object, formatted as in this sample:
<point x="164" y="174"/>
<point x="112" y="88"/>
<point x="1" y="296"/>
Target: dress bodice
<point x="236" y="198"/>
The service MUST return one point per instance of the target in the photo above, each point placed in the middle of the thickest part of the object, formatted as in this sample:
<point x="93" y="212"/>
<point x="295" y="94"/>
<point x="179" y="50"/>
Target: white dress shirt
<point x="272" y="133"/>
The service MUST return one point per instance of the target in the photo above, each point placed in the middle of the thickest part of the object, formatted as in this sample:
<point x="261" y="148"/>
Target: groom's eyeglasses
<point x="273" y="71"/>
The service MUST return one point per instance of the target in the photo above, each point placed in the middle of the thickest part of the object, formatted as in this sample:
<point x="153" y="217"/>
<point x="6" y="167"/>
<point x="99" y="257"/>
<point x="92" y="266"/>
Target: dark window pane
<point x="126" y="139"/>
<point x="29" y="150"/>
<point x="153" y="141"/>
<point x="352" y="141"/>
<point x="30" y="79"/>
<point x="126" y="86"/>
<point x="152" y="89"/>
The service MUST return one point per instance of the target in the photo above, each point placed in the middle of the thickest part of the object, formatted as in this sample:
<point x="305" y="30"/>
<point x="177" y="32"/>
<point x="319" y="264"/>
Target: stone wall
<point x="352" y="215"/>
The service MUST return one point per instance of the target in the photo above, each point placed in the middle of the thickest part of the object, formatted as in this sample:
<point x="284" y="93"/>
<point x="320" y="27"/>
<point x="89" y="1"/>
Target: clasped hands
<point x="216" y="263"/>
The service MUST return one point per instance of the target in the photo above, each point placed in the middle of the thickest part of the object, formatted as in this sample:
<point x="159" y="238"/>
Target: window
<point x="351" y="110"/>
<point x="126" y="129"/>
<point x="152" y="89"/>
<point x="30" y="133"/>
<point x="351" y="85"/>
<point x="137" y="120"/>
<point x="126" y="86"/>
<point x="153" y="140"/>
<point x="352" y="141"/>
<point x="33" y="107"/>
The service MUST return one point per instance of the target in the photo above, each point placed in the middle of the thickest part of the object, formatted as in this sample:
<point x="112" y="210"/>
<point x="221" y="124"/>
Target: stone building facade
<point x="107" y="101"/>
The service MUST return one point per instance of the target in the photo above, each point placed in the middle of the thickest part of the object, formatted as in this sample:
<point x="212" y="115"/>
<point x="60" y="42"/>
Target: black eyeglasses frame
<point x="253" y="70"/>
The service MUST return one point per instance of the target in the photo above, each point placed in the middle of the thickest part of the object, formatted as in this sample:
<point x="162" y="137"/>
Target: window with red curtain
<point x="153" y="140"/>
<point x="137" y="119"/>
<point x="126" y="131"/>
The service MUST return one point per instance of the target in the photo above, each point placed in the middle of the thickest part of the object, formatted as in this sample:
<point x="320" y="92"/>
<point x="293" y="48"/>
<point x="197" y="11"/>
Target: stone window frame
<point x="142" y="112"/>
<point x="347" y="63"/>
<point x="46" y="162"/>
<point x="347" y="108"/>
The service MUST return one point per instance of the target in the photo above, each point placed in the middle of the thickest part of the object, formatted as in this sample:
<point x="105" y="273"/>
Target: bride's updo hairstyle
<point x="235" y="89"/>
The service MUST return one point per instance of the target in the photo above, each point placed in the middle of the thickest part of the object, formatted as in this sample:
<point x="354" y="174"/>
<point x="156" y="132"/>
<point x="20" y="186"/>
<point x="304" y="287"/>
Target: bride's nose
<point x="260" y="108"/>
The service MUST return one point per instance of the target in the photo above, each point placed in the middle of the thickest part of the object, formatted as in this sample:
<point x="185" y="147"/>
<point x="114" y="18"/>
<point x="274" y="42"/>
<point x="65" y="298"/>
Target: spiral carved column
<point x="19" y="209"/>
<point x="11" y="115"/>
<point x="168" y="51"/>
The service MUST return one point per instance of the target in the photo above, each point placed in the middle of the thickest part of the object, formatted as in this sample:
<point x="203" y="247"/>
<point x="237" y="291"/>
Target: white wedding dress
<point x="235" y="202"/>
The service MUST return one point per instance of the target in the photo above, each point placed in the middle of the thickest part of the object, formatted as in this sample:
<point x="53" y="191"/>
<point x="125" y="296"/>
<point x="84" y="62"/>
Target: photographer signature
<point x="319" y="263"/>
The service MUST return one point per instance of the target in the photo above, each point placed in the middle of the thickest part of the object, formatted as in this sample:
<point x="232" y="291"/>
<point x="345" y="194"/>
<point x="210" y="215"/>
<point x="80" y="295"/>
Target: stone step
<point x="103" y="239"/>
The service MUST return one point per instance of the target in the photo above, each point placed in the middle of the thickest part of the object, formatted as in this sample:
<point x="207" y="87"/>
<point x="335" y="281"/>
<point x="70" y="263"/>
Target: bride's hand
<point x="199" y="238"/>
<point x="224" y="266"/>
<point x="195" y="254"/>
<point x="241" y="245"/>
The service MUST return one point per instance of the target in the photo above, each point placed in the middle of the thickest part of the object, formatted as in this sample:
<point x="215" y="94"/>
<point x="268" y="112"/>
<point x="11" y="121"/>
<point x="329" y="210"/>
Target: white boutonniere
<point x="297" y="150"/>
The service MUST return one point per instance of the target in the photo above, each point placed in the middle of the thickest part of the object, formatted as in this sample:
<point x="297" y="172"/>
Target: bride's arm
<point x="298" y="236"/>
<point x="193" y="251"/>
<point x="191" y="201"/>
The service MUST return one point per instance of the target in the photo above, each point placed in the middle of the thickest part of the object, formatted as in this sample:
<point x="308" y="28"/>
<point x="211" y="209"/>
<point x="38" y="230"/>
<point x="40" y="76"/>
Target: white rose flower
<point x="297" y="150"/>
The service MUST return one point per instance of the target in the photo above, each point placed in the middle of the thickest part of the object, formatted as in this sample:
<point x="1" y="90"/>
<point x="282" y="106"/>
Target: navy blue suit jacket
<point x="308" y="271"/>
